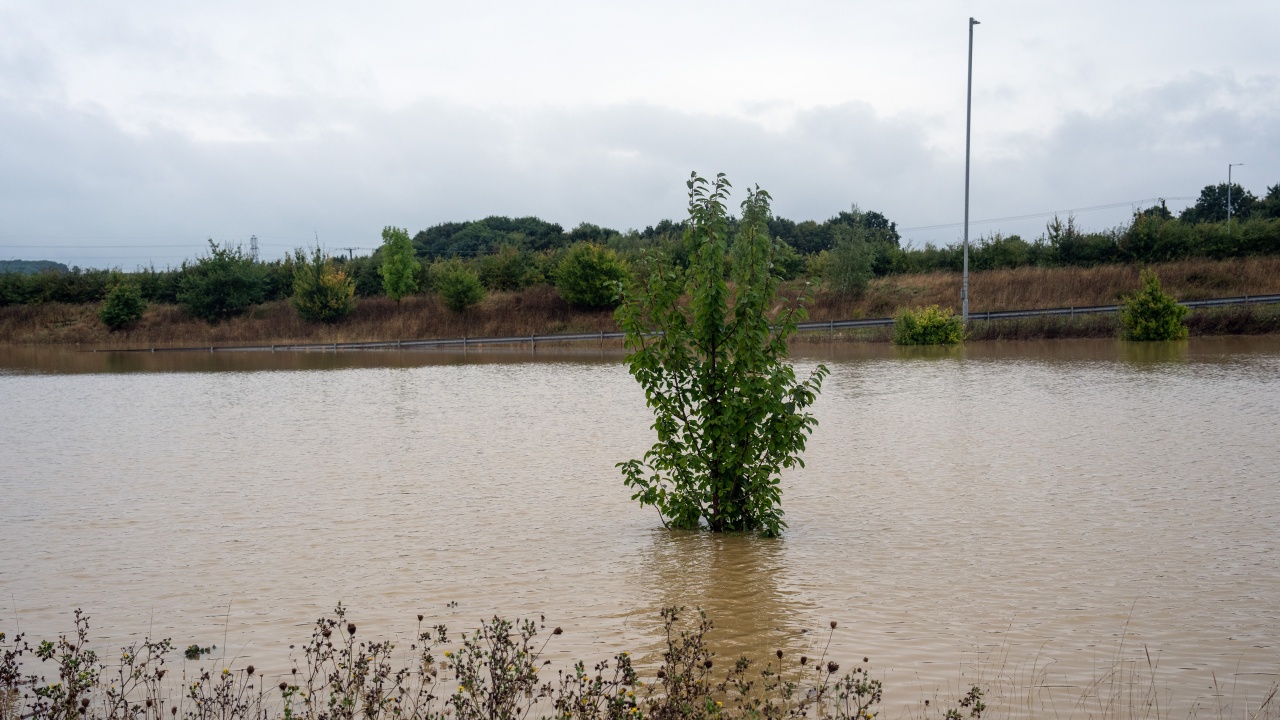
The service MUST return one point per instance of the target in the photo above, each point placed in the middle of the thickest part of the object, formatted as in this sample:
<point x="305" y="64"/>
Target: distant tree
<point x="321" y="291"/>
<point x="787" y="263"/>
<point x="1269" y="206"/>
<point x="1212" y="204"/>
<point x="222" y="284"/>
<point x="588" y="276"/>
<point x="1160" y="212"/>
<point x="849" y="263"/>
<point x="123" y="306"/>
<point x="508" y="269"/>
<point x="399" y="269"/>
<point x="31" y="267"/>
<point x="469" y="239"/>
<point x="458" y="285"/>
<point x="586" y="232"/>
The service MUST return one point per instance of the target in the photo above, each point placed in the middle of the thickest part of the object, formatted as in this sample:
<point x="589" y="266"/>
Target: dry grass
<point x="1032" y="288"/>
<point x="537" y="310"/>
<point x="540" y="311"/>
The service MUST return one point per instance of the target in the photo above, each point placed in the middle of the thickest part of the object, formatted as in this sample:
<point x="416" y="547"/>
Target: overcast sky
<point x="130" y="132"/>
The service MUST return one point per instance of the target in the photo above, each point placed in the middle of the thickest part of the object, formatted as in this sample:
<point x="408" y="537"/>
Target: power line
<point x="1032" y="216"/>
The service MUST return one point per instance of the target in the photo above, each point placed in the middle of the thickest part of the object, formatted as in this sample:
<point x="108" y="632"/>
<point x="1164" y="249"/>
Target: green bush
<point x="459" y="286"/>
<point x="123" y="307"/>
<point x="158" y="286"/>
<point x="1151" y="313"/>
<point x="589" y="275"/>
<point x="321" y="292"/>
<point x="509" y="269"/>
<point x="363" y="271"/>
<point x="399" y="268"/>
<point x="222" y="284"/>
<point x="927" y="326"/>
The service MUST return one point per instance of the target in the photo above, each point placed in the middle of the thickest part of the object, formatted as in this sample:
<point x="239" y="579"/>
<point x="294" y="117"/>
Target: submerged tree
<point x="1151" y="313"/>
<point x="729" y="411"/>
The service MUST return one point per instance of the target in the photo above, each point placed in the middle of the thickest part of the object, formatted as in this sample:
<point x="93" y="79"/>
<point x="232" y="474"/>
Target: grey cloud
<point x="348" y="171"/>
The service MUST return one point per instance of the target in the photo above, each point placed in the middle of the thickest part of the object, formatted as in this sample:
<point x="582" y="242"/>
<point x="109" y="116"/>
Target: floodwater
<point x="1034" y="516"/>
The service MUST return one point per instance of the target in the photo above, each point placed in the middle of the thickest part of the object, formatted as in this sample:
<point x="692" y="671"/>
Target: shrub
<point x="158" y="286"/>
<point x="222" y="284"/>
<point x="509" y="269"/>
<point x="321" y="292"/>
<point x="15" y="289"/>
<point x="363" y="271"/>
<point x="588" y="276"/>
<point x="459" y="286"/>
<point x="729" y="411"/>
<point x="123" y="307"/>
<point x="399" y="268"/>
<point x="1151" y="313"/>
<point x="927" y="326"/>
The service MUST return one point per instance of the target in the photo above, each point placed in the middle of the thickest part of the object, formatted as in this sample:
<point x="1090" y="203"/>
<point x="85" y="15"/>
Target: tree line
<point x="461" y="262"/>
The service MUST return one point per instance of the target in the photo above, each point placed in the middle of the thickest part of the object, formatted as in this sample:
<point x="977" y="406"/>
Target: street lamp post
<point x="968" y="122"/>
<point x="1229" y="166"/>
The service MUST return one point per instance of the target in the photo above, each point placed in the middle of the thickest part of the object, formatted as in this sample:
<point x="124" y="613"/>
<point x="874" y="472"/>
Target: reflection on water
<point x="738" y="580"/>
<point x="1037" y="511"/>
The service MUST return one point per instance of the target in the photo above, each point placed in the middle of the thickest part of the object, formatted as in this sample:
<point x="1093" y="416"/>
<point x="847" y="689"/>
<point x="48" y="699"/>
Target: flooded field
<point x="1030" y="515"/>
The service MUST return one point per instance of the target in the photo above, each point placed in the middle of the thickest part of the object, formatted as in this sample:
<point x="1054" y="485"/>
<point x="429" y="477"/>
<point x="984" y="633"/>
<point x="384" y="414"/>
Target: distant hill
<point x="30" y="267"/>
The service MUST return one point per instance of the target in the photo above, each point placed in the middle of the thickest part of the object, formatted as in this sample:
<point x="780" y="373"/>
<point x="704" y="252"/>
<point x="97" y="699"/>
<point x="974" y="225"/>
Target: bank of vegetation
<point x="540" y="309"/>
<point x="505" y="276"/>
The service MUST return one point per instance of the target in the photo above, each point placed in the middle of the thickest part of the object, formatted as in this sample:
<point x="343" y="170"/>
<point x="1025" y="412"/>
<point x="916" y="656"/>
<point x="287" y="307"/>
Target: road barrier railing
<point x="533" y="340"/>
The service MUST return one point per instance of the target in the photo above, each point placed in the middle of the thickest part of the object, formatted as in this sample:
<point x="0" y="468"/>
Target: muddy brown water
<point x="1033" y="516"/>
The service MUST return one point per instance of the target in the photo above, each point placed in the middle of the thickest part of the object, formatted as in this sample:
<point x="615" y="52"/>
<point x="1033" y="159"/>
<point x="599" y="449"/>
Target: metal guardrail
<point x="533" y="340"/>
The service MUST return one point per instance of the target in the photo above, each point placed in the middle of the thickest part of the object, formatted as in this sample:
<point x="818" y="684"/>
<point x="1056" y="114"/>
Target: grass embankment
<point x="540" y="311"/>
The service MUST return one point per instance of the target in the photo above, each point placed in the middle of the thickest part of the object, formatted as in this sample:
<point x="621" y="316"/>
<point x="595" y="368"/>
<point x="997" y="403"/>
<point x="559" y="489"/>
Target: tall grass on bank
<point x="496" y="672"/>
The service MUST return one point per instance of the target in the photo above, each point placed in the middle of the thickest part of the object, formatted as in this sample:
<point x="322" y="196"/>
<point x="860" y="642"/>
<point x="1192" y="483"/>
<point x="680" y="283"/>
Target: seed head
<point x="661" y="674"/>
<point x="351" y="628"/>
<point x="779" y="654"/>
<point x="803" y="660"/>
<point x="283" y="686"/>
<point x="833" y="624"/>
<point x="557" y="631"/>
<point x="706" y="664"/>
<point x="84" y="702"/>
<point x="326" y="632"/>
<point x="249" y="670"/>
<point x="832" y="666"/>
<point x="419" y="617"/>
